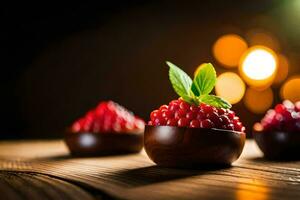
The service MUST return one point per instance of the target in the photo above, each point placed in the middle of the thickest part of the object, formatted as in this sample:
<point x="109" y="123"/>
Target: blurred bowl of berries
<point x="195" y="130"/>
<point x="106" y="130"/>
<point x="278" y="133"/>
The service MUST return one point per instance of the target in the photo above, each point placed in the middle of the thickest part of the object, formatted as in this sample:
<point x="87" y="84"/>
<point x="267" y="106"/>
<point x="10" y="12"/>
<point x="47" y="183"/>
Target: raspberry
<point x="284" y="117"/>
<point x="110" y="117"/>
<point x="180" y="113"/>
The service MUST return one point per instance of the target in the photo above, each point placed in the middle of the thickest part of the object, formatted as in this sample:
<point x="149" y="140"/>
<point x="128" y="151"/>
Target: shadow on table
<point x="155" y="174"/>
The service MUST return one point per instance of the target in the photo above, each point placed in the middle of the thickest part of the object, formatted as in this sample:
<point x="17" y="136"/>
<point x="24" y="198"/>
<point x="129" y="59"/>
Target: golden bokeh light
<point x="261" y="37"/>
<point x="228" y="49"/>
<point x="291" y="89"/>
<point x="258" y="66"/>
<point x="258" y="101"/>
<point x="282" y="69"/>
<point x="230" y="86"/>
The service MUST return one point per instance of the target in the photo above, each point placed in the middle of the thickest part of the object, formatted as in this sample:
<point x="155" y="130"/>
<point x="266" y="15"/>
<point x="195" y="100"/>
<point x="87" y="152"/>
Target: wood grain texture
<point x="136" y="177"/>
<point x="19" y="185"/>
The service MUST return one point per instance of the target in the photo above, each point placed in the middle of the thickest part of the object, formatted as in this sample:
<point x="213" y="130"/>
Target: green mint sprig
<point x="198" y="90"/>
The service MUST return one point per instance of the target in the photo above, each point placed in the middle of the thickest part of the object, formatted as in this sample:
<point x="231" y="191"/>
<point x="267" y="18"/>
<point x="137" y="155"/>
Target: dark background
<point x="61" y="60"/>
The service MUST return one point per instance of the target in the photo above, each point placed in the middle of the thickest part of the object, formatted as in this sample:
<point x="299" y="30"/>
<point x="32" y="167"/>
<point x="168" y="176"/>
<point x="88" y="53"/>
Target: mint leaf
<point x="195" y="90"/>
<point x="181" y="82"/>
<point x="215" y="101"/>
<point x="205" y="80"/>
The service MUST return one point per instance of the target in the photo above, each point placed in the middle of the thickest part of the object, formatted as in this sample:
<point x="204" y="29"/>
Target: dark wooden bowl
<point x="278" y="145"/>
<point x="99" y="144"/>
<point x="192" y="147"/>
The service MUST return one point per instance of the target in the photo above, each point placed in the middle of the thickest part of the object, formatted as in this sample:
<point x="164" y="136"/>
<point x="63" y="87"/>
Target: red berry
<point x="194" y="109"/>
<point x="238" y="126"/>
<point x="174" y="102"/>
<point x="163" y="107"/>
<point x="201" y="115"/>
<point x="207" y="108"/>
<point x="184" y="106"/>
<point x="221" y="111"/>
<point x="139" y="124"/>
<point x="214" y="117"/>
<point x="154" y="114"/>
<point x="206" y="124"/>
<point x="231" y="114"/>
<point x="87" y="124"/>
<point x="191" y="115"/>
<point x="156" y="122"/>
<point x="173" y="107"/>
<point x="225" y="119"/>
<point x="76" y="127"/>
<point x="179" y="114"/>
<point x="195" y="123"/>
<point x="167" y="114"/>
<point x="230" y="127"/>
<point x="279" y="108"/>
<point x="182" y="122"/>
<point x="172" y="122"/>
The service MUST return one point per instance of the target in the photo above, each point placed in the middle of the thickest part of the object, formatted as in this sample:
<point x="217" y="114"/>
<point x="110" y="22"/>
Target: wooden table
<point x="44" y="170"/>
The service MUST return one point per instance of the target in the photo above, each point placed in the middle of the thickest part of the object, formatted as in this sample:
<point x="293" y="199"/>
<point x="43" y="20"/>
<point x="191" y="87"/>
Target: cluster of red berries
<point x="179" y="113"/>
<point x="109" y="117"/>
<point x="285" y="117"/>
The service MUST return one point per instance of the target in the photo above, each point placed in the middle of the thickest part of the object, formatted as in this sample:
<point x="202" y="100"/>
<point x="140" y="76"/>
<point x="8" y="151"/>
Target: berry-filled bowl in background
<point x="278" y="133"/>
<point x="196" y="130"/>
<point x="107" y="130"/>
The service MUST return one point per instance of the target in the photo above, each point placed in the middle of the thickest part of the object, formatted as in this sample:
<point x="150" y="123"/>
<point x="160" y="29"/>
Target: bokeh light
<point x="291" y="89"/>
<point x="230" y="86"/>
<point x="258" y="101"/>
<point x="228" y="49"/>
<point x="261" y="37"/>
<point x="258" y="66"/>
<point x="282" y="69"/>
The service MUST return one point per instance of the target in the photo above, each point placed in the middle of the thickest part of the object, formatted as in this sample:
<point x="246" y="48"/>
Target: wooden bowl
<point x="98" y="144"/>
<point x="278" y="145"/>
<point x="192" y="147"/>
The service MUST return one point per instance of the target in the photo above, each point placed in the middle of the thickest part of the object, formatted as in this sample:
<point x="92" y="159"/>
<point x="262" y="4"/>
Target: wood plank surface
<point x="136" y="177"/>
